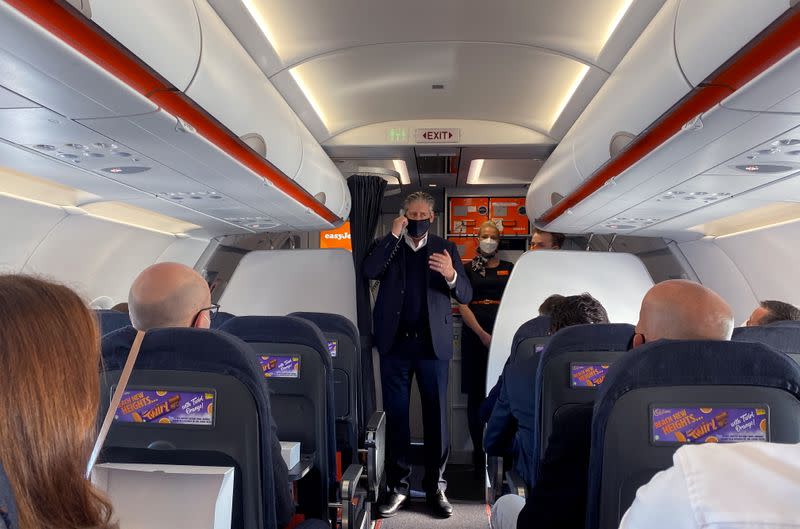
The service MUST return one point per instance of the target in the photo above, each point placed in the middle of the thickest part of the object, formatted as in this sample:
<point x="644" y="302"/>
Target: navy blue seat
<point x="303" y="406"/>
<point x="554" y="391"/>
<point x="220" y="319"/>
<point x="111" y="320"/>
<point x="531" y="337"/>
<point x="783" y="336"/>
<point x="242" y="428"/>
<point x="627" y="451"/>
<point x="343" y="342"/>
<point x="9" y="518"/>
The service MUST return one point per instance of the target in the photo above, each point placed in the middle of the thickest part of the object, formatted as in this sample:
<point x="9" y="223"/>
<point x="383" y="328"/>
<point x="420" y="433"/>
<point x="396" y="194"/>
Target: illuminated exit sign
<point x="437" y="135"/>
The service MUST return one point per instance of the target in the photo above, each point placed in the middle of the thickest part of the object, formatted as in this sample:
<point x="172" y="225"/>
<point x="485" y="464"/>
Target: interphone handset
<point x="397" y="245"/>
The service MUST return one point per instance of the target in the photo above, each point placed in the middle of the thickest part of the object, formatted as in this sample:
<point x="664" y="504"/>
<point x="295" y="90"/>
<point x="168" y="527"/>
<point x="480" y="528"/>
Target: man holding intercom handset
<point x="413" y="328"/>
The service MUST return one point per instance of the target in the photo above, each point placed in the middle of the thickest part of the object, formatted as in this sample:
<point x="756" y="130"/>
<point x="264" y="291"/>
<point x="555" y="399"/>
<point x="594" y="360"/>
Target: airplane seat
<point x="571" y="366"/>
<point x="530" y="338"/>
<point x="220" y="319"/>
<point x="111" y="320"/>
<point x="344" y="346"/>
<point x="661" y="395"/>
<point x="783" y="336"/>
<point x="9" y="518"/>
<point x="234" y="424"/>
<point x="295" y="361"/>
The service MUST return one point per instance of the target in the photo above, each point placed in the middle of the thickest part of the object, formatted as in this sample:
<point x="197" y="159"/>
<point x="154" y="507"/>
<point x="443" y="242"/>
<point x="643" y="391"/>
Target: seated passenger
<point x="677" y="310"/>
<point x="174" y="295"/>
<point x="485" y="410"/>
<point x="49" y="398"/>
<point x="546" y="240"/>
<point x="513" y="415"/>
<point x="771" y="311"/>
<point x="738" y="486"/>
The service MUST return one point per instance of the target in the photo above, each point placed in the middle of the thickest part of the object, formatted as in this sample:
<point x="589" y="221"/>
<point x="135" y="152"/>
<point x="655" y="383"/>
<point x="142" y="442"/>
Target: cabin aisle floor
<point x="464" y="491"/>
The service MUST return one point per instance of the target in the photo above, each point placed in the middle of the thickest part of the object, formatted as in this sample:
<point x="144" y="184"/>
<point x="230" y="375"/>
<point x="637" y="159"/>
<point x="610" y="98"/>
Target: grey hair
<point x="417" y="196"/>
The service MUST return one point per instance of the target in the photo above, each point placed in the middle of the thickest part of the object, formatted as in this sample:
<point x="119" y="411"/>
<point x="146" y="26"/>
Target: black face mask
<point x="418" y="228"/>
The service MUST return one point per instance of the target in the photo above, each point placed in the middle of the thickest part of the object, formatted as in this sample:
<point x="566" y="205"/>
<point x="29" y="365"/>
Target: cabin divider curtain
<point x="366" y="193"/>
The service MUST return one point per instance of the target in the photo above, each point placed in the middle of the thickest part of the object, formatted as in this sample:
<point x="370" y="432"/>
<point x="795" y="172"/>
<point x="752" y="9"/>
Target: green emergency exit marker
<point x="397" y="135"/>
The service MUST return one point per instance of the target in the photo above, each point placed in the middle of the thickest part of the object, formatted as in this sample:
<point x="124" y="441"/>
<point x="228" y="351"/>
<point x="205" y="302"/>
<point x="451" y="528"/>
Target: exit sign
<point x="437" y="135"/>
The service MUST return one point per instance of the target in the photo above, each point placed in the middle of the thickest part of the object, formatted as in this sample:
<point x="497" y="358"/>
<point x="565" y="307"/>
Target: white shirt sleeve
<point x="452" y="284"/>
<point x="663" y="503"/>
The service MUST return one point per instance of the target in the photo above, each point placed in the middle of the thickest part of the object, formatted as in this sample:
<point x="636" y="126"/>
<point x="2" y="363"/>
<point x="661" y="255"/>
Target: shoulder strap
<point x="112" y="407"/>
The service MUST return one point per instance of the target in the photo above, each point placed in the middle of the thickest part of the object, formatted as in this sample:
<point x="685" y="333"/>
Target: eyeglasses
<point x="212" y="312"/>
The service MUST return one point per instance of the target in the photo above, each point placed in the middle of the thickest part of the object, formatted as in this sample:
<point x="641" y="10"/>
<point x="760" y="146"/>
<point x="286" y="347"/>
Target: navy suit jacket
<point x="513" y="421"/>
<point x="390" y="270"/>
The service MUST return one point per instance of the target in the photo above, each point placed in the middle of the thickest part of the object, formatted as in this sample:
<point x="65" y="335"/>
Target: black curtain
<point x="366" y="193"/>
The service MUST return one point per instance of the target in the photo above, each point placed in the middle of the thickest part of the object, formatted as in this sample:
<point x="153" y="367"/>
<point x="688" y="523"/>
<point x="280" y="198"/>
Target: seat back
<point x="9" y="518"/>
<point x="296" y="365"/>
<point x="220" y="319"/>
<point x="226" y="419"/>
<point x="530" y="338"/>
<point x="343" y="344"/>
<point x="112" y="320"/>
<point x="660" y="395"/>
<point x="571" y="366"/>
<point x="783" y="336"/>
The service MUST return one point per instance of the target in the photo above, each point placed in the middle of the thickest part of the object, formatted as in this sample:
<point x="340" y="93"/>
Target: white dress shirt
<point x="722" y="486"/>
<point x="422" y="243"/>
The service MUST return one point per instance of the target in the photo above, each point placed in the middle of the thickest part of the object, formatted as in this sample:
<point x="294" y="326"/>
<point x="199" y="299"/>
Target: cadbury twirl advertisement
<point x="280" y="366"/>
<point x="333" y="346"/>
<point x="167" y="407"/>
<point x="709" y="425"/>
<point x="587" y="375"/>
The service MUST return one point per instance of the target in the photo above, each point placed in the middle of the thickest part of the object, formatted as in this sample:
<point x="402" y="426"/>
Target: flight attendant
<point x="488" y="276"/>
<point x="413" y="327"/>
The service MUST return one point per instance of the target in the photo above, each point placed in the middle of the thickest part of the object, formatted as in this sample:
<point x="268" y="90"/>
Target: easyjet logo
<point x="337" y="236"/>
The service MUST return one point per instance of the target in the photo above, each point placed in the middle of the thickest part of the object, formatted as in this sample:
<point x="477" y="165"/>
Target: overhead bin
<point x="682" y="46"/>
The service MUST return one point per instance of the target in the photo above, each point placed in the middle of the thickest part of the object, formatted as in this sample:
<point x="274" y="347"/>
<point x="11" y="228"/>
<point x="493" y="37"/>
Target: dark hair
<point x="49" y="357"/>
<point x="548" y="305"/>
<point x="558" y="238"/>
<point x="577" y="310"/>
<point x="779" y="311"/>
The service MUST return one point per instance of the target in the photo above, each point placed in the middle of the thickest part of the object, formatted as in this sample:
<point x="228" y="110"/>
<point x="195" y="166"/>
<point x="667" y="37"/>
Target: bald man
<point x="174" y="295"/>
<point x="169" y="295"/>
<point x="672" y="310"/>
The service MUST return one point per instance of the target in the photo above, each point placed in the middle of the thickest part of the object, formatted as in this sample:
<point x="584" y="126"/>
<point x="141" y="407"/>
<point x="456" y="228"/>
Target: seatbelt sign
<point x="437" y="135"/>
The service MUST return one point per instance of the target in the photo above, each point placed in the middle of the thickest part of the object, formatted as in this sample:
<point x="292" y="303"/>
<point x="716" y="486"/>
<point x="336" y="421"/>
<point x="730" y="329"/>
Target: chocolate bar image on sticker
<point x="157" y="411"/>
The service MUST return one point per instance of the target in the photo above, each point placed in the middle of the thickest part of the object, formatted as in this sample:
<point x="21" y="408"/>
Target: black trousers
<point x="411" y="358"/>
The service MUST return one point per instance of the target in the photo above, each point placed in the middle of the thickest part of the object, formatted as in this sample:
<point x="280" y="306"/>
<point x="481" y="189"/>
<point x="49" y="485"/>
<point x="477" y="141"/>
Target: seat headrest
<point x="533" y="328"/>
<point x="277" y="329"/>
<point x="591" y="337"/>
<point x="8" y="506"/>
<point x="220" y="319"/>
<point x="330" y="323"/>
<point x="111" y="320"/>
<point x="784" y="338"/>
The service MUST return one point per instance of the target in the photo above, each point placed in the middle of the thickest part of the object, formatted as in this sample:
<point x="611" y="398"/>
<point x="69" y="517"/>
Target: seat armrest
<point x="354" y="505"/>
<point x="375" y="447"/>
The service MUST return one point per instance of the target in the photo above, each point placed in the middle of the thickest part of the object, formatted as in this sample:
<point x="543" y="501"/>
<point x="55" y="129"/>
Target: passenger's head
<point x="546" y="240"/>
<point x="488" y="238"/>
<point x="771" y="311"/>
<point x="49" y="397"/>
<point x="577" y="310"/>
<point x="683" y="310"/>
<point x="169" y="295"/>
<point x="418" y="209"/>
<point x="548" y="305"/>
<point x="120" y="307"/>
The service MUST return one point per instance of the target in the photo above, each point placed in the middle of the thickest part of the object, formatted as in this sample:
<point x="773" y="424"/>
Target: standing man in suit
<point x="413" y="327"/>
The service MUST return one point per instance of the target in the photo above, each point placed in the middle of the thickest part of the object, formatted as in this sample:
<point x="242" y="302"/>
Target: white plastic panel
<point x="9" y="99"/>
<point x="717" y="271"/>
<point x="233" y="89"/>
<point x="186" y="251"/>
<point x="777" y="90"/>
<point x="619" y="281"/>
<point x="709" y="32"/>
<point x="96" y="257"/>
<point x="175" y="53"/>
<point x="318" y="174"/>
<point x="277" y="282"/>
<point x="26" y="223"/>
<point x="36" y="65"/>
<point x="768" y="259"/>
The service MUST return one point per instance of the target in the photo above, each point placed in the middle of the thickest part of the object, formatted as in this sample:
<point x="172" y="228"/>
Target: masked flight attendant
<point x="413" y="327"/>
<point x="488" y="276"/>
